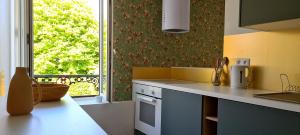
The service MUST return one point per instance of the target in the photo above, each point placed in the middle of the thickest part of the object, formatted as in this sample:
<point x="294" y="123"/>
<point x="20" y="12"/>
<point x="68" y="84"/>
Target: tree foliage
<point x="66" y="37"/>
<point x="66" y="41"/>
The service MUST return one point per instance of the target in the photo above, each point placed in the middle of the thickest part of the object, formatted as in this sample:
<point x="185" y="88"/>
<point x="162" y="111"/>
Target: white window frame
<point x="23" y="39"/>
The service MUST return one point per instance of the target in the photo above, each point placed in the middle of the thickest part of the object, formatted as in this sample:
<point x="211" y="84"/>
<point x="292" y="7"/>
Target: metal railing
<point x="72" y="79"/>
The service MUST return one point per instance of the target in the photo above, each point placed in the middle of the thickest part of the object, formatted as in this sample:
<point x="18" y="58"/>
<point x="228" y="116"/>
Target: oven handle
<point x="148" y="99"/>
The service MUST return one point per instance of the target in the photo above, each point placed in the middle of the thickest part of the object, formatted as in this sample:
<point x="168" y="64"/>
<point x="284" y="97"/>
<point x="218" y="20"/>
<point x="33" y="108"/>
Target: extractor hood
<point x="176" y="16"/>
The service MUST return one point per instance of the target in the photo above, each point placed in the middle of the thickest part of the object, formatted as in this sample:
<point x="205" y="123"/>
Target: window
<point x="70" y="44"/>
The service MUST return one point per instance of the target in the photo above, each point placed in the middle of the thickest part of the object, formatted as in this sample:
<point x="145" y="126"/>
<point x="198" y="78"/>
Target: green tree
<point x="66" y="41"/>
<point x="66" y="37"/>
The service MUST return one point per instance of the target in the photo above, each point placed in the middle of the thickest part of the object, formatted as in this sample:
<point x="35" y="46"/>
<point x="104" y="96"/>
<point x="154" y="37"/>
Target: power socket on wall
<point x="243" y="61"/>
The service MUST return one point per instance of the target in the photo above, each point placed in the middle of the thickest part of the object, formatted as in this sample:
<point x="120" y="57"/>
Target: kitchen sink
<point x="293" y="97"/>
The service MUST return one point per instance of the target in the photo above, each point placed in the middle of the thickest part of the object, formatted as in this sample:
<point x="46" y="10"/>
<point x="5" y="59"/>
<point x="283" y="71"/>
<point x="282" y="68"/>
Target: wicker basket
<point x="50" y="92"/>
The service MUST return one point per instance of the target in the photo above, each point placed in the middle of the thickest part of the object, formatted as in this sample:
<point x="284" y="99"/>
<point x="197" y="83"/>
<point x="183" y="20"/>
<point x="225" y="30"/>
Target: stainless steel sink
<point x="293" y="97"/>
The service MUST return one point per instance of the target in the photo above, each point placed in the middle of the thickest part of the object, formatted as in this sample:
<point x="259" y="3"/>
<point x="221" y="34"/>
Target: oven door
<point x="148" y="114"/>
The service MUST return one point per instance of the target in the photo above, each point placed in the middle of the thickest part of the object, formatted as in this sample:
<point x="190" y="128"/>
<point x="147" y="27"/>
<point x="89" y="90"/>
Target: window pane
<point x="67" y="43"/>
<point x="147" y="113"/>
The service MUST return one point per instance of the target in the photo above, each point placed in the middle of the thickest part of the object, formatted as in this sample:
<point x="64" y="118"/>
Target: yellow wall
<point x="271" y="53"/>
<point x="151" y="73"/>
<point x="202" y="75"/>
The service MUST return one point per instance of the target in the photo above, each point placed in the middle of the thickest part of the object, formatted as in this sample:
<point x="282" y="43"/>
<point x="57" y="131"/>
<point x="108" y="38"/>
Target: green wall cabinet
<point x="255" y="12"/>
<point x="236" y="118"/>
<point x="181" y="113"/>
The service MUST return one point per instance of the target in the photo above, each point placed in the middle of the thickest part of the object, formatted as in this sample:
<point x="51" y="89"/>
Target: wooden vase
<point x="20" y="95"/>
<point x="2" y="84"/>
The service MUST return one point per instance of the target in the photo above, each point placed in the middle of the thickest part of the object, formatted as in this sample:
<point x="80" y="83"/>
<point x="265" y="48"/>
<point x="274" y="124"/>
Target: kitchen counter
<point x="65" y="117"/>
<point x="240" y="95"/>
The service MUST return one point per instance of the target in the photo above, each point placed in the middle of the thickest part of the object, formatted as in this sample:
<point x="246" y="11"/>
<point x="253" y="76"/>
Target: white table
<point x="65" y="117"/>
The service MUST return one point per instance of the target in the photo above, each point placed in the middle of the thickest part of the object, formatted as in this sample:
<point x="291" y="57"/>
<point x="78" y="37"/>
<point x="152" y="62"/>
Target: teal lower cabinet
<point x="181" y="113"/>
<point x="236" y="118"/>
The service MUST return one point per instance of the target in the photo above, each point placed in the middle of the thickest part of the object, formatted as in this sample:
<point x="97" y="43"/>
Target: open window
<point x="68" y="43"/>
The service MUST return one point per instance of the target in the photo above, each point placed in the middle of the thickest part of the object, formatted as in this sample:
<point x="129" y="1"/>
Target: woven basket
<point x="50" y="92"/>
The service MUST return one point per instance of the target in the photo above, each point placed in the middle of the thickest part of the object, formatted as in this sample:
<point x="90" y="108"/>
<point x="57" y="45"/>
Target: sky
<point x="94" y="4"/>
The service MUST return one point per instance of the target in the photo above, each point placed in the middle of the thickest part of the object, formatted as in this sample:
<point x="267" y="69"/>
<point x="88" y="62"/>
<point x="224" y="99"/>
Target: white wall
<point x="115" y="118"/>
<point x="5" y="39"/>
<point x="12" y="26"/>
<point x="232" y="15"/>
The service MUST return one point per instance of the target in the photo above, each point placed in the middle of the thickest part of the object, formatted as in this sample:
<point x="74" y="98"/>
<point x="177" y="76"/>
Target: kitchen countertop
<point x="240" y="95"/>
<point x="64" y="117"/>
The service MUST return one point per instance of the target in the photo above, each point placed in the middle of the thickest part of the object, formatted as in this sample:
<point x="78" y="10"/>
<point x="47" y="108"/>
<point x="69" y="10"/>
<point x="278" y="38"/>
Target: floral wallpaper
<point x="138" y="40"/>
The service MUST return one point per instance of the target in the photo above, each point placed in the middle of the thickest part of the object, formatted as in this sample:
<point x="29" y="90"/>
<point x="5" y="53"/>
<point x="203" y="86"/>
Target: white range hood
<point x="176" y="16"/>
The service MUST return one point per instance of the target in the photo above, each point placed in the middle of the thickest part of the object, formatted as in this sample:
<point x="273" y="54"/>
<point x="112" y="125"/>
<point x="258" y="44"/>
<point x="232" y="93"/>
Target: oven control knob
<point x="152" y="92"/>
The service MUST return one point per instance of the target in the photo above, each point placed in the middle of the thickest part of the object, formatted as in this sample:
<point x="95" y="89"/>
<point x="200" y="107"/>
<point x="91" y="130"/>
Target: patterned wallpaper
<point x="139" y="41"/>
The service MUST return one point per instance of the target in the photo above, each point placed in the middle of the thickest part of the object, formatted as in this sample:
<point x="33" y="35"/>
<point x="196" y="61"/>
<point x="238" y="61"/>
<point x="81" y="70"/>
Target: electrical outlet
<point x="243" y="61"/>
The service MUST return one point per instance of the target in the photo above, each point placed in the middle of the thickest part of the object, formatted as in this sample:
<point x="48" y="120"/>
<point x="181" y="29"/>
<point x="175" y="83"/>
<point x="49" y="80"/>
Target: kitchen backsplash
<point x="139" y="41"/>
<point x="201" y="75"/>
<point x="271" y="54"/>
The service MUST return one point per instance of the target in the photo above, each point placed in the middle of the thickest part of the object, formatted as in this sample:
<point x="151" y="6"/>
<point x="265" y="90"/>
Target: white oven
<point x="147" y="109"/>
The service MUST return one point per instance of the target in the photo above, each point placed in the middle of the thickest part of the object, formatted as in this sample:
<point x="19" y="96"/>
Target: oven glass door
<point x="148" y="115"/>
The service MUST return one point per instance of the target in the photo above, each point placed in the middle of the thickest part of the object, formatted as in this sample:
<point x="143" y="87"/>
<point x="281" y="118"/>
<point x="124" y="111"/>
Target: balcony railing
<point x="74" y="79"/>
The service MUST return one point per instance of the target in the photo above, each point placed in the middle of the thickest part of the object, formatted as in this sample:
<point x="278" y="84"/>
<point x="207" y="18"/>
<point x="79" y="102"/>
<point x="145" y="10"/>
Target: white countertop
<point x="65" y="117"/>
<point x="240" y="95"/>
